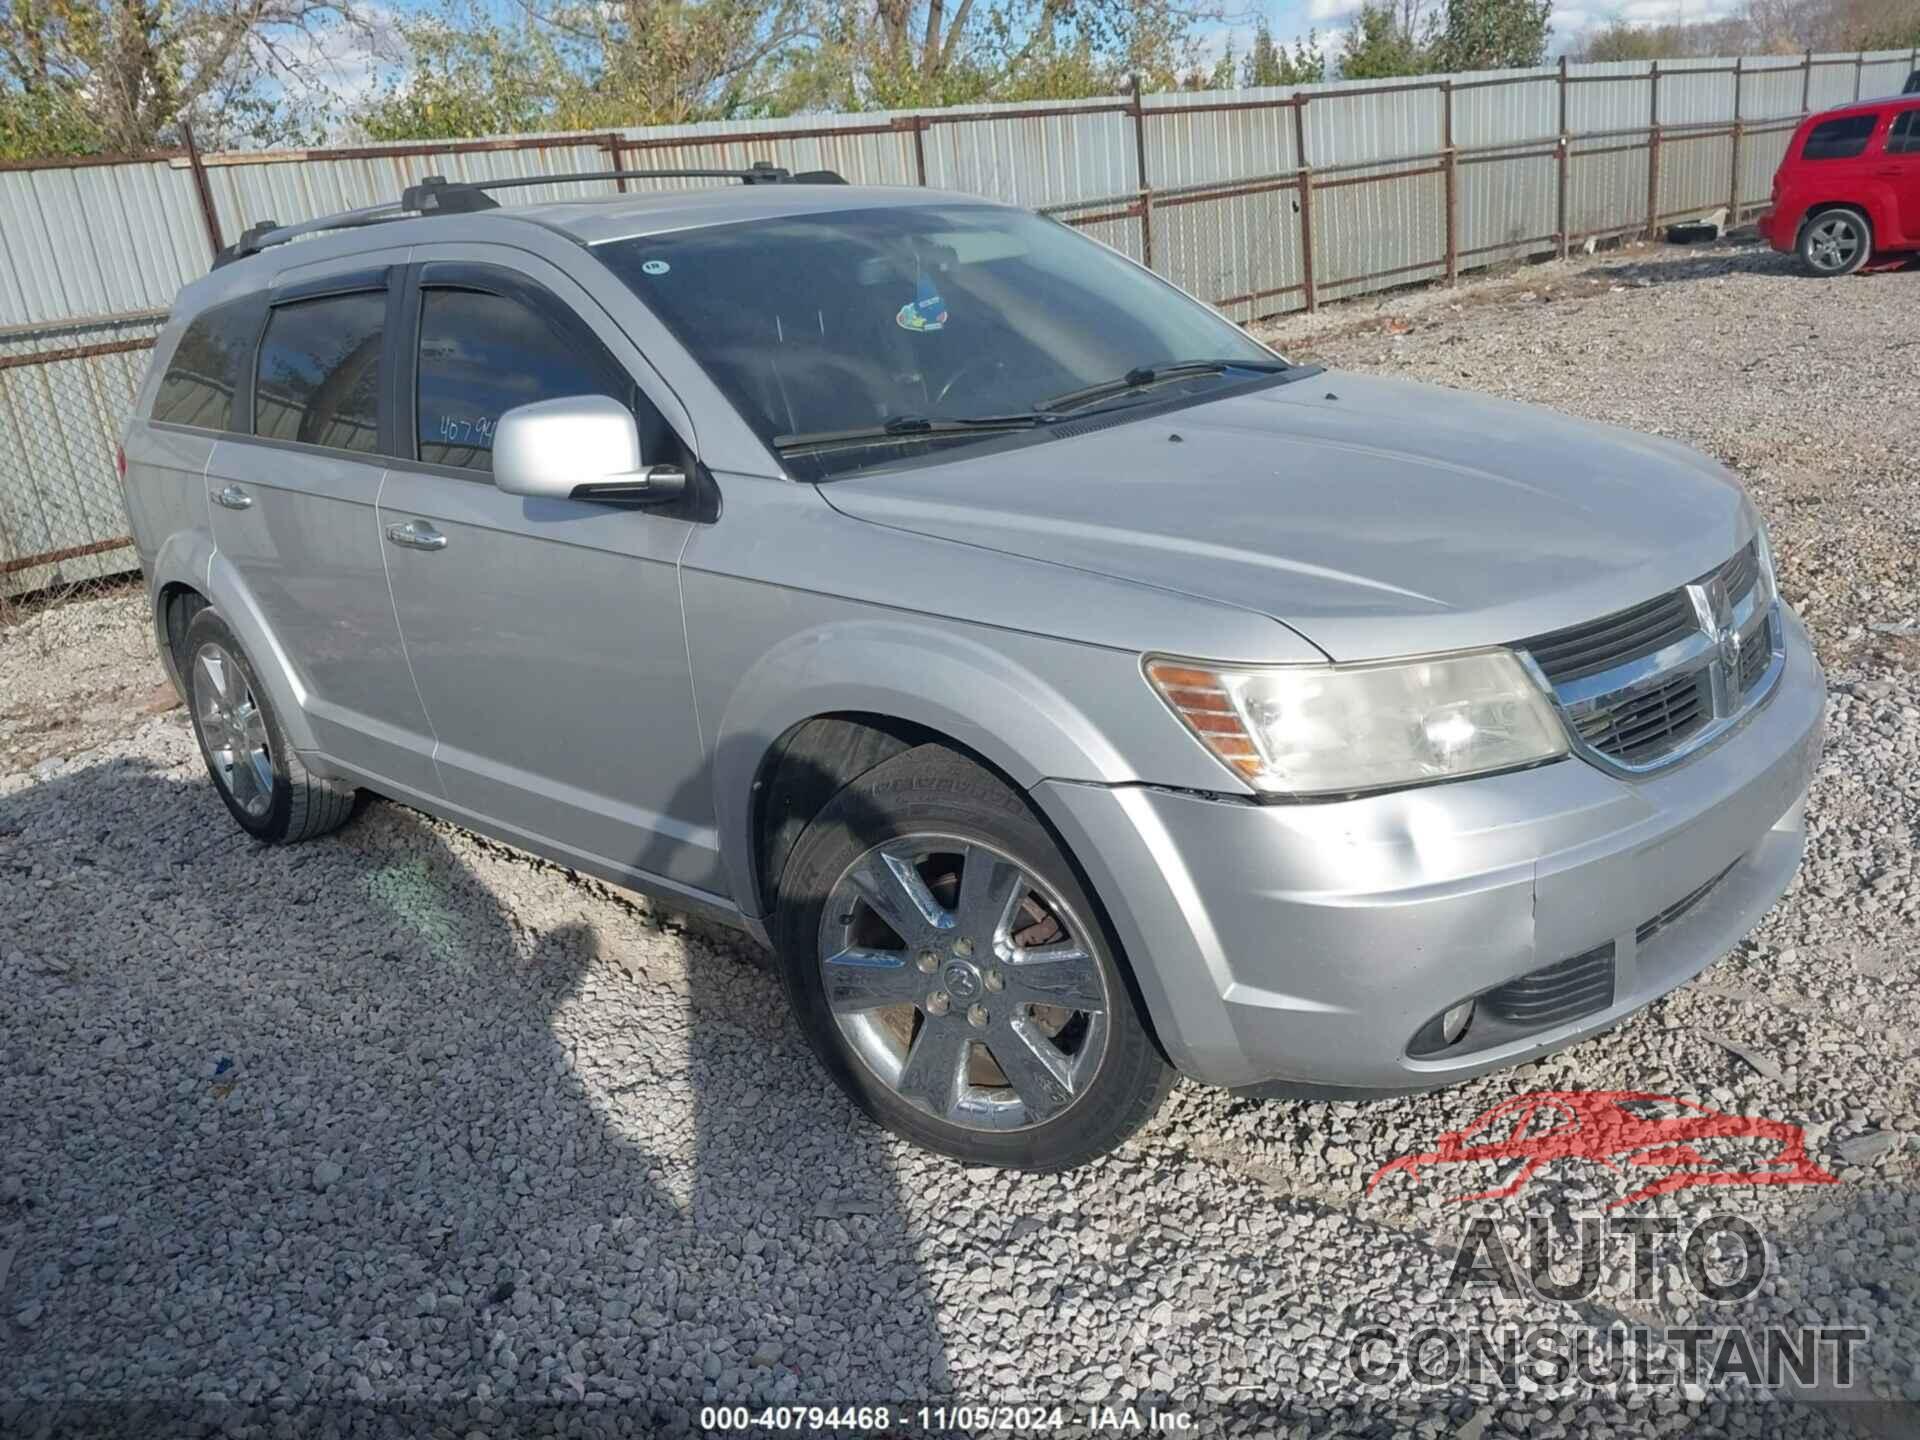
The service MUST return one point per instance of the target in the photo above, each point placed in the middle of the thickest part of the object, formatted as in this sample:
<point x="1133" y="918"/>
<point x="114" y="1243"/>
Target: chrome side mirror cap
<point x="579" y="447"/>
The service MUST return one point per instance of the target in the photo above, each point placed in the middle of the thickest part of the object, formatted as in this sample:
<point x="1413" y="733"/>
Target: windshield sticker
<point x="654" y="267"/>
<point x="926" y="313"/>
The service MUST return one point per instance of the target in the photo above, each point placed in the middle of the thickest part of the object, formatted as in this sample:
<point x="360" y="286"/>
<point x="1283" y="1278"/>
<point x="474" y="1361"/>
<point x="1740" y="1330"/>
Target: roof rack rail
<point x="437" y="195"/>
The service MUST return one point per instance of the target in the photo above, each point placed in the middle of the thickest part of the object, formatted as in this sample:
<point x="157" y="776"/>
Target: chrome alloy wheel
<point x="233" y="728"/>
<point x="1834" y="242"/>
<point x="964" y="982"/>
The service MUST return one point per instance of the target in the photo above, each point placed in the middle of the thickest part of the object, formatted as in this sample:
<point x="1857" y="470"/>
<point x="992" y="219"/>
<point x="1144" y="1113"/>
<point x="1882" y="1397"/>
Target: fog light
<point x="1454" y="1023"/>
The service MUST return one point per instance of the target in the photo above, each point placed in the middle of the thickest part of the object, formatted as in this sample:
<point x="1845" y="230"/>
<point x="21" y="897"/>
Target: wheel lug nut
<point x="977" y="1016"/>
<point x="937" y="1003"/>
<point x="963" y="947"/>
<point x="928" y="961"/>
<point x="996" y="982"/>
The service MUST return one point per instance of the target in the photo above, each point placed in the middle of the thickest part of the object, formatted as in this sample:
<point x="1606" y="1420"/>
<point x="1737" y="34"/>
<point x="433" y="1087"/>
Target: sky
<point x="1572" y="19"/>
<point x="349" y="69"/>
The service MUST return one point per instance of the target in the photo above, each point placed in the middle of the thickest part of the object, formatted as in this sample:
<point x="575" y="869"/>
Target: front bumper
<point x="1307" y="944"/>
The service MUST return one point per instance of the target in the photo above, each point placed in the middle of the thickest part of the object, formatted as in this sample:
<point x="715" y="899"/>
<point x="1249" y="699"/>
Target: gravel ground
<point x="405" y="1128"/>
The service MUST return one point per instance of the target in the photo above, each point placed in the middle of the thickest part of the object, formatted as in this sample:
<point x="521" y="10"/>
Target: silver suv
<point x="1069" y="689"/>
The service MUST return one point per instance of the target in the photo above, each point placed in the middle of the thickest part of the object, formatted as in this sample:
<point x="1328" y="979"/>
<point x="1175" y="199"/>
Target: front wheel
<point x="952" y="975"/>
<point x="1836" y="242"/>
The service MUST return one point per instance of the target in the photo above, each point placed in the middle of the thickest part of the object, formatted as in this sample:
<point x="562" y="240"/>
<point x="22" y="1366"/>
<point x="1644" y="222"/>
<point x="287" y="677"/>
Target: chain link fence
<point x="64" y="389"/>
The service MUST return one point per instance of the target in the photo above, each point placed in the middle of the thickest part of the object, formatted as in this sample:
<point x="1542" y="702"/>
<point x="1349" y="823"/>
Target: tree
<point x="117" y="75"/>
<point x="579" y="64"/>
<point x="1383" y="42"/>
<point x="1270" y="64"/>
<point x="1493" y="35"/>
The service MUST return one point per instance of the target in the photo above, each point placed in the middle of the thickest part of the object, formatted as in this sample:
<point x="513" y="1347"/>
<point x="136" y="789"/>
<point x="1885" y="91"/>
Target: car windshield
<point x="859" y="338"/>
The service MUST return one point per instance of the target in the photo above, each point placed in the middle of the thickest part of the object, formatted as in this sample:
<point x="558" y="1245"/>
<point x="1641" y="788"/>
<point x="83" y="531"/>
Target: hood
<point x="1375" y="517"/>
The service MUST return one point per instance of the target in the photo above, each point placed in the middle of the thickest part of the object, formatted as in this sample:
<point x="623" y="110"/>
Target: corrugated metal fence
<point x="1261" y="201"/>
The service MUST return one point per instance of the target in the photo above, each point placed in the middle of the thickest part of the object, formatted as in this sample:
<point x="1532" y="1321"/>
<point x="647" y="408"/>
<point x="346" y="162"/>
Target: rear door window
<point x="207" y="366"/>
<point x="1904" y="138"/>
<point x="1840" y="139"/>
<point x="318" y="380"/>
<point x="481" y="354"/>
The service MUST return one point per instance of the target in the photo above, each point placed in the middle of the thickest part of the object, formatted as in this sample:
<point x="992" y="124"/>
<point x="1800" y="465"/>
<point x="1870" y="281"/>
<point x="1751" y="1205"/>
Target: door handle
<point x="417" y="535"/>
<point x="233" y="497"/>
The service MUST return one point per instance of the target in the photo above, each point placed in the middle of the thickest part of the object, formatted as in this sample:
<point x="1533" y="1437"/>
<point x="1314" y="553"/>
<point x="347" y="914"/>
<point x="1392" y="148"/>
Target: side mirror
<point x="580" y="447"/>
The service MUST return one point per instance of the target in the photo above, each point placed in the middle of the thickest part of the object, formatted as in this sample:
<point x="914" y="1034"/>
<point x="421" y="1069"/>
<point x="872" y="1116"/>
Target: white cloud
<point x="335" y="67"/>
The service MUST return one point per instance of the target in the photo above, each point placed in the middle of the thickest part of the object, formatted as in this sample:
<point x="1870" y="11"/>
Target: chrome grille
<point x="1646" y="685"/>
<point x="1583" y="650"/>
<point x="1754" y="655"/>
<point x="1741" y="571"/>
<point x="1651" y="723"/>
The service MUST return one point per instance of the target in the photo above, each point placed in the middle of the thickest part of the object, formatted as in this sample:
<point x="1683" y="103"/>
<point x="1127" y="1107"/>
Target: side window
<point x="1840" y="139"/>
<point x="206" y="367"/>
<point x="482" y="354"/>
<point x="1904" y="138"/>
<point x="319" y="376"/>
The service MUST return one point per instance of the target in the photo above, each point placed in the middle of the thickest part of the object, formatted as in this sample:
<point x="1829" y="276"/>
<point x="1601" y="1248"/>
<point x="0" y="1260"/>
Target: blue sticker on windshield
<point x="926" y="313"/>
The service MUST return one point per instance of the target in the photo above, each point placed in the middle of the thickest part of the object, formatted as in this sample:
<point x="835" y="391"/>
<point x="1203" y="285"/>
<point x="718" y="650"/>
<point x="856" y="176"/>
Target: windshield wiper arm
<point x="908" y="427"/>
<point x="1141" y="376"/>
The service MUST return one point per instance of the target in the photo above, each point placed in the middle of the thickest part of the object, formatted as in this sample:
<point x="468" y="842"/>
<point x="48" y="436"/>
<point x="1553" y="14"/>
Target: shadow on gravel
<point x="1742" y="258"/>
<point x="322" y="1138"/>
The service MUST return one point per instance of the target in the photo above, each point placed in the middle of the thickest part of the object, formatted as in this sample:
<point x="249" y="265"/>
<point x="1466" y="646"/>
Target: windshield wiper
<point x="908" y="427"/>
<point x="1142" y="376"/>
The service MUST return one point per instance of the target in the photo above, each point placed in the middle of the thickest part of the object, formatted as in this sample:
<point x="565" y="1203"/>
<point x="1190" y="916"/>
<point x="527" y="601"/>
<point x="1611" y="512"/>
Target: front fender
<point x="1006" y="698"/>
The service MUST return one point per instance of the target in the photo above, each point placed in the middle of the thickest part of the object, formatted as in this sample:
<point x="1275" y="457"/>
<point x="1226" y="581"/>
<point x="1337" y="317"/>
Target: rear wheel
<point x="951" y="973"/>
<point x="267" y="789"/>
<point x="1836" y="242"/>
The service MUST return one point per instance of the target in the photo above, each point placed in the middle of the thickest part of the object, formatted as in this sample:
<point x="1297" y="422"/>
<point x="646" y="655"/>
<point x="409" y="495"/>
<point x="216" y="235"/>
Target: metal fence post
<point x="1653" y="154"/>
<point x="1859" y="63"/>
<point x="1733" y="187"/>
<point x="1453" y="184"/>
<point x="920" y="147"/>
<point x="1564" y="163"/>
<point x="1139" y="111"/>
<point x="1806" y="85"/>
<point x="616" y="153"/>
<point x="1306" y="199"/>
<point x="209" y="216"/>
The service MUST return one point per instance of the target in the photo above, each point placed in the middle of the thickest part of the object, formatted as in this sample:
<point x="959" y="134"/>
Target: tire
<point x="1018" y="1041"/>
<point x="268" y="791"/>
<point x="1836" y="241"/>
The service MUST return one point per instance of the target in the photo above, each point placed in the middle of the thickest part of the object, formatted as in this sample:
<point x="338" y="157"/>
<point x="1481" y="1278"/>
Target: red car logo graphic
<point x="1618" y="1129"/>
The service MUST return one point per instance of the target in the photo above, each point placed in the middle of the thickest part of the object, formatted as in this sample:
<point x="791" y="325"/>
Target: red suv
<point x="1850" y="185"/>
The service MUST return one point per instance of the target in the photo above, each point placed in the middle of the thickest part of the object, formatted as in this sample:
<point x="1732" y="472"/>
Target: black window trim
<point x="701" y="504"/>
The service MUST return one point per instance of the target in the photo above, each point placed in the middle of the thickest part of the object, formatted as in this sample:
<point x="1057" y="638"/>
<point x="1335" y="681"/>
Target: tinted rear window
<point x="199" y="385"/>
<point x="1840" y="139"/>
<point x="1904" y="138"/>
<point x="319" y="376"/>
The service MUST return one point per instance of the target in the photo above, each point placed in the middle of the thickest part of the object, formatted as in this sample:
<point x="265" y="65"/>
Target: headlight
<point x="1337" y="729"/>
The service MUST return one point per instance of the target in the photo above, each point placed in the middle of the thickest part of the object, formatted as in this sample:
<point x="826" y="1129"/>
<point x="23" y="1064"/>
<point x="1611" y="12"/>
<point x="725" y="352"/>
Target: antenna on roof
<point x="437" y="195"/>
